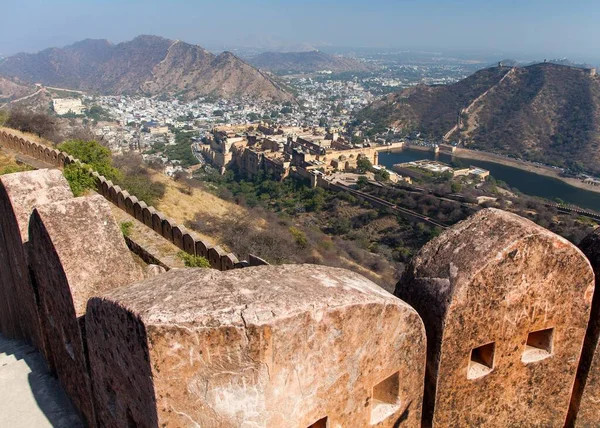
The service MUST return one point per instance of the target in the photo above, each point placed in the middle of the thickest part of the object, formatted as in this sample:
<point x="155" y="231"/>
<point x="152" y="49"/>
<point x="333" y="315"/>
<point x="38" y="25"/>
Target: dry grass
<point x="27" y="135"/>
<point x="183" y="207"/>
<point x="7" y="160"/>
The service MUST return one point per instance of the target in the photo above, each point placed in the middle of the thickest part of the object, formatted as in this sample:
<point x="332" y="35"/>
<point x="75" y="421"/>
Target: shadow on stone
<point x="53" y="406"/>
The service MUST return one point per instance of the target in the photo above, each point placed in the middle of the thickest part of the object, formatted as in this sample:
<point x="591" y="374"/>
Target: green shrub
<point x="193" y="261"/>
<point x="299" y="237"/>
<point x="126" y="227"/>
<point x="79" y="178"/>
<point x="143" y="187"/>
<point x="93" y="154"/>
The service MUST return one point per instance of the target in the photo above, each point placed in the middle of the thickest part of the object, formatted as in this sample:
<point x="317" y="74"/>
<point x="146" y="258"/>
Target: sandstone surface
<point x="78" y="252"/>
<point x="270" y="346"/>
<point x="20" y="193"/>
<point x="505" y="304"/>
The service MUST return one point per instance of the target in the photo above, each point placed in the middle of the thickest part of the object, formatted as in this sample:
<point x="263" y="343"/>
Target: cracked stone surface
<point x="495" y="278"/>
<point x="77" y="251"/>
<point x="266" y="346"/>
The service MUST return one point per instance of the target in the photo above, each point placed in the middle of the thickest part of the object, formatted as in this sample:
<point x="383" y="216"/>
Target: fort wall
<point x="489" y="325"/>
<point x="119" y="197"/>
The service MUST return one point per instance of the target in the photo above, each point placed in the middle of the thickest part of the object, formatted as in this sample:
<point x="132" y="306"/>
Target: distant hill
<point x="147" y="64"/>
<point x="543" y="112"/>
<point x="306" y="62"/>
<point x="11" y="90"/>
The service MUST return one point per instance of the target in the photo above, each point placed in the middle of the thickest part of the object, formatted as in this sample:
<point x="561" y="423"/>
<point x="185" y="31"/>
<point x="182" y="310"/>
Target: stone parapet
<point x="148" y="215"/>
<point x="223" y="349"/>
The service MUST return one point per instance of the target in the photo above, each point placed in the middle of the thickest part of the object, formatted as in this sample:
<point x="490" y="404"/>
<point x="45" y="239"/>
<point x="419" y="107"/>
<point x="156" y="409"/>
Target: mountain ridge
<point x="543" y="112"/>
<point x="150" y="65"/>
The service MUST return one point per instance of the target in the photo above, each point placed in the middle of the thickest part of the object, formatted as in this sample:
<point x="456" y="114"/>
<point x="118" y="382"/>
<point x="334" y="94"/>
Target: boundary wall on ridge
<point x="177" y="234"/>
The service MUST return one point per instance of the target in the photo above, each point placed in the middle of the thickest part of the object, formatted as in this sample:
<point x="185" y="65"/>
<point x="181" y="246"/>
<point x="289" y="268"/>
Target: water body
<point x="527" y="182"/>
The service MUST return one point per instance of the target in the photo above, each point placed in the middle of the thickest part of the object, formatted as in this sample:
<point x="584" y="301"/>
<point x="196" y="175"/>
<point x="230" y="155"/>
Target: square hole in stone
<point x="321" y="423"/>
<point x="385" y="400"/>
<point x="482" y="361"/>
<point x="539" y="346"/>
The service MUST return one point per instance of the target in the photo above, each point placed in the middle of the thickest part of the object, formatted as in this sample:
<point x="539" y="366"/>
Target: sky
<point x="531" y="28"/>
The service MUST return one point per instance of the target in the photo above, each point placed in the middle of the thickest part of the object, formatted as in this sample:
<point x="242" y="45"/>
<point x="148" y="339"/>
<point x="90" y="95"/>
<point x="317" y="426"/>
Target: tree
<point x="382" y="175"/>
<point x="456" y="187"/>
<point x="253" y="117"/>
<point x="43" y="125"/>
<point x="362" y="182"/>
<point x="364" y="165"/>
<point x="79" y="178"/>
<point x="94" y="155"/>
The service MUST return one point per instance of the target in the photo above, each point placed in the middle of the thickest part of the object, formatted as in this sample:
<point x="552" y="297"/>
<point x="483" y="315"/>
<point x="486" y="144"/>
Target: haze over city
<point x="525" y="30"/>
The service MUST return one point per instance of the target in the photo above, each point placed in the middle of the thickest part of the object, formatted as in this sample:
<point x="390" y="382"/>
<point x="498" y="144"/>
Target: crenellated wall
<point x="490" y="325"/>
<point x="162" y="225"/>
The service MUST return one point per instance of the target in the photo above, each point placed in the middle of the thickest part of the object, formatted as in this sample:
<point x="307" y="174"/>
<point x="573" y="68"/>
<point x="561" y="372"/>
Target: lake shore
<point x="525" y="166"/>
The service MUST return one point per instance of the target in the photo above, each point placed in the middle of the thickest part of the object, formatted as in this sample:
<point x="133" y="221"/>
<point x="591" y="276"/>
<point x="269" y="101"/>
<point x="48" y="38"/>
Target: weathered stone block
<point x="62" y="156"/>
<point x="121" y="196"/>
<point x="113" y="193"/>
<point x="215" y="254"/>
<point x="202" y="248"/>
<point x="20" y="193"/>
<point x="585" y="400"/>
<point x="130" y="201"/>
<point x="138" y="210"/>
<point x="54" y="158"/>
<point x="178" y="232"/>
<point x="106" y="186"/>
<point x="147" y="214"/>
<point x="189" y="243"/>
<point x="228" y="261"/>
<point x="167" y="229"/>
<point x="273" y="346"/>
<point x="157" y="221"/>
<point x="78" y="252"/>
<point x="505" y="304"/>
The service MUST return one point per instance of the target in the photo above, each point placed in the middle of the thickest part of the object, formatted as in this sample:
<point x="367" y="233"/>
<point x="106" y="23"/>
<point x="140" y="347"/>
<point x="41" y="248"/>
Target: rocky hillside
<point x="11" y="90"/>
<point x="306" y="62"/>
<point x="543" y="112"/>
<point x="147" y="64"/>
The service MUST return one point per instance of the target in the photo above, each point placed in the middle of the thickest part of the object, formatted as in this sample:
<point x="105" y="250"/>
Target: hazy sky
<point x="531" y="27"/>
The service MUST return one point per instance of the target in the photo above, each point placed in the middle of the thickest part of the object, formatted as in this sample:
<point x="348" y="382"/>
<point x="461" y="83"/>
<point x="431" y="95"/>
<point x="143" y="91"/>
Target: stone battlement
<point x="494" y="323"/>
<point x="148" y="215"/>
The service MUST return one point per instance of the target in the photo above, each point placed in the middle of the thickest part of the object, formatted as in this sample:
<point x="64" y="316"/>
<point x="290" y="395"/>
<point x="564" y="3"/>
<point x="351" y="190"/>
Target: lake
<point x="527" y="182"/>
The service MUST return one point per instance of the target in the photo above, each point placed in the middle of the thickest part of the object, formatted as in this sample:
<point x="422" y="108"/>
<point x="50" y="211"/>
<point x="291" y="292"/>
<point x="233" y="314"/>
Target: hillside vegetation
<point x="544" y="112"/>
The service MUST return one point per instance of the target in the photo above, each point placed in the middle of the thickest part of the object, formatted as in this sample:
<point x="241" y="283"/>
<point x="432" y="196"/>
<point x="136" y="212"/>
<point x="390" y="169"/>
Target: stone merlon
<point x="267" y="346"/>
